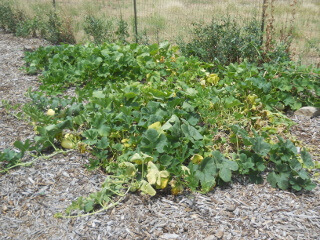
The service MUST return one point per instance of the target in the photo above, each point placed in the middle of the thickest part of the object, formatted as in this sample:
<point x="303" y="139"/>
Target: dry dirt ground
<point x="30" y="196"/>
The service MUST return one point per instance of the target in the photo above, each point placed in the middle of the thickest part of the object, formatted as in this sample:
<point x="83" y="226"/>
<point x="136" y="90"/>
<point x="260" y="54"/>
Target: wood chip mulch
<point x="30" y="196"/>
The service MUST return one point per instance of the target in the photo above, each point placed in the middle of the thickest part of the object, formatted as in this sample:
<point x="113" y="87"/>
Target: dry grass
<point x="169" y="19"/>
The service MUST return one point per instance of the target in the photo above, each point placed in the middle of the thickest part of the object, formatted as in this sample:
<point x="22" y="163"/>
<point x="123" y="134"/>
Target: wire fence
<point x="165" y="19"/>
<point x="159" y="20"/>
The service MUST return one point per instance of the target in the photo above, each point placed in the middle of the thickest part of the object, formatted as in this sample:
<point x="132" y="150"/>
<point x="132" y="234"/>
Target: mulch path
<point x="30" y="196"/>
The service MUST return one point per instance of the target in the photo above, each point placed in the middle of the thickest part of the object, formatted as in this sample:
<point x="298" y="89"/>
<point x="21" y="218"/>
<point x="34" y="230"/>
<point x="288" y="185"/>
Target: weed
<point x="122" y="31"/>
<point x="225" y="41"/>
<point x="58" y="29"/>
<point x="99" y="29"/>
<point x="31" y="27"/>
<point x="10" y="17"/>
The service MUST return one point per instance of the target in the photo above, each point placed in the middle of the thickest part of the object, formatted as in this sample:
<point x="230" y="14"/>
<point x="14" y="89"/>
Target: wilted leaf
<point x="154" y="176"/>
<point x="156" y="126"/>
<point x="147" y="188"/>
<point x="130" y="169"/>
<point x="196" y="159"/>
<point x="185" y="169"/>
<point x="141" y="158"/>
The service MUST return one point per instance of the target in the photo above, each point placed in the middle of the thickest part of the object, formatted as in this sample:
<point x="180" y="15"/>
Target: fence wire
<point x="159" y="20"/>
<point x="165" y="19"/>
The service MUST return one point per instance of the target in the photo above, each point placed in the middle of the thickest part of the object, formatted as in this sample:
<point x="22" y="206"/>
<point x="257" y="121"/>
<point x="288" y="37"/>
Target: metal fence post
<point x="54" y="3"/>
<point x="135" y="19"/>
<point x="264" y="8"/>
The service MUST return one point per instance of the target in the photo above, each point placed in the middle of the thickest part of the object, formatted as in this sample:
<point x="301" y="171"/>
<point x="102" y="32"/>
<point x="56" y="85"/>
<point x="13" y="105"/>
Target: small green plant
<point x="143" y="38"/>
<point x="99" y="29"/>
<point x="286" y="168"/>
<point x="31" y="28"/>
<point x="122" y="31"/>
<point x="57" y="29"/>
<point x="10" y="17"/>
<point x="106" y="30"/>
<point x="53" y="27"/>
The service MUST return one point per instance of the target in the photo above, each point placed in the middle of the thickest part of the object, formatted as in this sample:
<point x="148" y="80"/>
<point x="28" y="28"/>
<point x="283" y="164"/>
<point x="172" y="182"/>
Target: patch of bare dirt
<point x="30" y="196"/>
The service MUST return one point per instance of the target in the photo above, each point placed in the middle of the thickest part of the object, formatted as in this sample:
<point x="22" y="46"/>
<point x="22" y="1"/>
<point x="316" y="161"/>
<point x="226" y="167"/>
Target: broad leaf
<point x="307" y="160"/>
<point x="147" y="188"/>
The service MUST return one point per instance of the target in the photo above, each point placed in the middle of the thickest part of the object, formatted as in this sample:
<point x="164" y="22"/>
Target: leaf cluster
<point x="157" y="120"/>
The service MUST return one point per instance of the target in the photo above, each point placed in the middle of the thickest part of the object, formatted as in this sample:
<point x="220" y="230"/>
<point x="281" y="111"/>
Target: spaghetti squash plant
<point x="154" y="120"/>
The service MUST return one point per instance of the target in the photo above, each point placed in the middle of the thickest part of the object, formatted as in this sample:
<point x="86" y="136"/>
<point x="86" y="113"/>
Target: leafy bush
<point x="57" y="29"/>
<point x="10" y="17"/>
<point x="105" y="30"/>
<point x="226" y="41"/>
<point x="98" y="29"/>
<point x="33" y="27"/>
<point x="122" y="31"/>
<point x="54" y="28"/>
<point x="283" y="86"/>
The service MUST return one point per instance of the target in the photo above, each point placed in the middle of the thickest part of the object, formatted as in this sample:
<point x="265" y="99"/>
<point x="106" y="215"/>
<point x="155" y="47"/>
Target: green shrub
<point x="53" y="27"/>
<point x="10" y="17"/>
<point x="122" y="31"/>
<point x="30" y="27"/>
<point x="58" y="30"/>
<point x="105" y="30"/>
<point x="224" y="40"/>
<point x="98" y="29"/>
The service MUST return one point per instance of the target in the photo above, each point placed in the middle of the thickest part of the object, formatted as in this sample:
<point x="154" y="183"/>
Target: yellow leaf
<point x="141" y="158"/>
<point x="153" y="176"/>
<point x="130" y="169"/>
<point x="252" y="98"/>
<point x="177" y="189"/>
<point x="159" y="178"/>
<point x="185" y="169"/>
<point x="156" y="126"/>
<point x="125" y="140"/>
<point x="164" y="174"/>
<point x="147" y="188"/>
<point x="164" y="178"/>
<point x="163" y="184"/>
<point x="213" y="79"/>
<point x="203" y="83"/>
<point x="196" y="159"/>
<point x="127" y="145"/>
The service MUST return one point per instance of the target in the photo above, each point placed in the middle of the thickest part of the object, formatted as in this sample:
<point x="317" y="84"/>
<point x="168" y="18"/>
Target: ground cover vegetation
<point x="155" y="120"/>
<point x="158" y="118"/>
